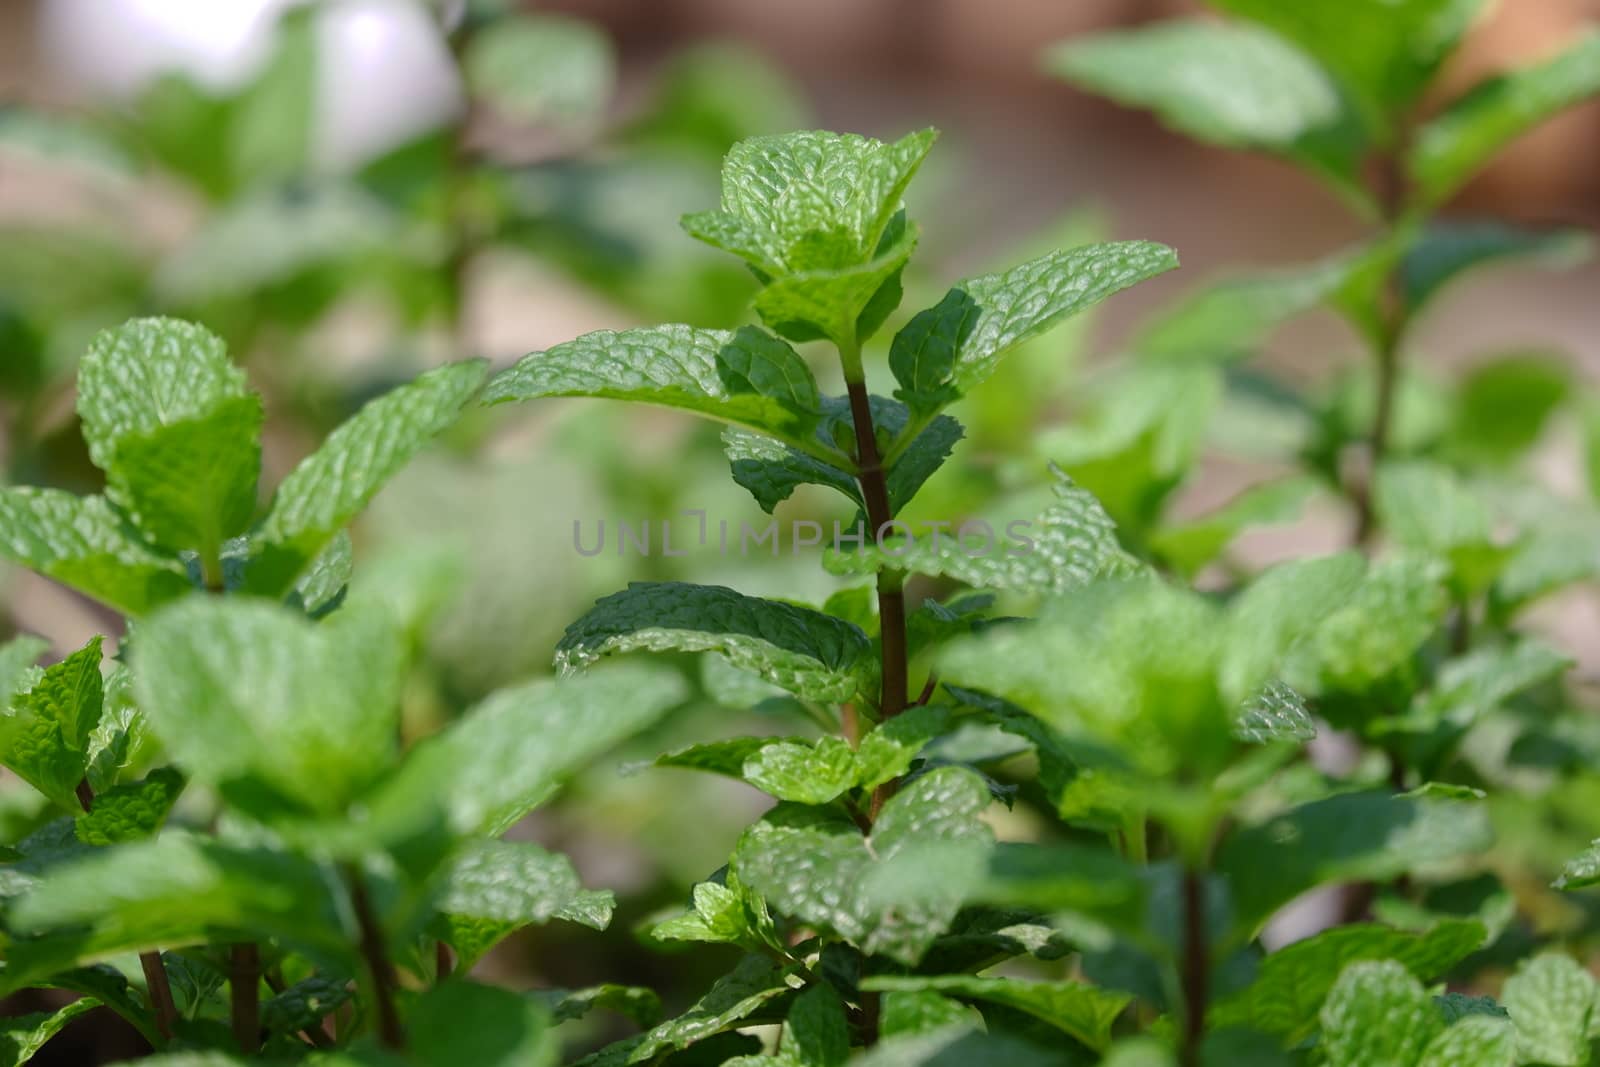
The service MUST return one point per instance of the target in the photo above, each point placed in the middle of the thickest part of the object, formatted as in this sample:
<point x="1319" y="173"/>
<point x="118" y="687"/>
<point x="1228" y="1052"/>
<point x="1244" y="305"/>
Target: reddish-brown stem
<point x="155" y="973"/>
<point x="384" y="982"/>
<point x="1196" y="967"/>
<point x="244" y="995"/>
<point x="443" y="961"/>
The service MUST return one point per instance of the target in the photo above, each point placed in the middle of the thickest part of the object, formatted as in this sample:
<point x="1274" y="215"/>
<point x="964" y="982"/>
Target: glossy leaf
<point x="44" y="738"/>
<point x="1079" y="1010"/>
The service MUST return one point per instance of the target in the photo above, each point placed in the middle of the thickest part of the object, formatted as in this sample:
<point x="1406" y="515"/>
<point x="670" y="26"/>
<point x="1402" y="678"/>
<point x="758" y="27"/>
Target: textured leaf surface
<point x="893" y="893"/>
<point x="806" y="773"/>
<point x="241" y="688"/>
<point x="82" y="542"/>
<point x="1229" y="84"/>
<point x="44" y="739"/>
<point x="333" y="484"/>
<point x="945" y="351"/>
<point x="1453" y="145"/>
<point x="811" y="200"/>
<point x="1292" y="983"/>
<point x="1083" y="1011"/>
<point x="1377" y="1016"/>
<point x="492" y="888"/>
<point x="170" y="420"/>
<point x="510" y="753"/>
<point x="1551" y="1000"/>
<point x="813" y="655"/>
<point x="1071" y="543"/>
<point x="772" y="470"/>
<point x="130" y="812"/>
<point x="1479" y="1041"/>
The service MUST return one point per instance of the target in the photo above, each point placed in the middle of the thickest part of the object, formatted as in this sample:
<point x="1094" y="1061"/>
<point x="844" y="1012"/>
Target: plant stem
<point x="155" y="972"/>
<point x="443" y="961"/>
<point x="244" y="995"/>
<point x="891" y="598"/>
<point x="384" y="983"/>
<point x="1196" y="967"/>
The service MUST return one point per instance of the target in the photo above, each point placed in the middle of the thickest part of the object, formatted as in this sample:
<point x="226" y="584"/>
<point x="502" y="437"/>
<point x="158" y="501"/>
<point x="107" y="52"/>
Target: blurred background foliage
<point x="353" y="190"/>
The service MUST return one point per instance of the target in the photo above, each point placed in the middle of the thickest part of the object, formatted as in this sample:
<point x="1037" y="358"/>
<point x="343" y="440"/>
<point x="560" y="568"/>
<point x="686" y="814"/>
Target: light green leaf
<point x="894" y="893"/>
<point x="745" y="377"/>
<point x="21" y="1036"/>
<point x="1071" y="543"/>
<point x="1228" y="320"/>
<point x="640" y="1005"/>
<point x="1473" y="685"/>
<point x="723" y="913"/>
<point x="17" y="670"/>
<point x="806" y="773"/>
<point x="1082" y="1011"/>
<point x="171" y="421"/>
<point x="246" y="691"/>
<point x="1377" y="1016"/>
<point x="947" y="350"/>
<point x="324" y="584"/>
<point x="740" y="995"/>
<point x="333" y="484"/>
<point x="130" y="812"/>
<point x="1291" y="983"/>
<point x="1446" y="250"/>
<point x="509" y="754"/>
<point x="1227" y="84"/>
<point x="1284" y="606"/>
<point x="1582" y="870"/>
<point x="1189" y="546"/>
<point x="541" y="68"/>
<point x="458" y="1022"/>
<point x="1551" y="1000"/>
<point x="811" y="200"/>
<point x="1348" y="837"/>
<point x="837" y="303"/>
<point x="1427" y="509"/>
<point x="84" y="543"/>
<point x="813" y="655"/>
<point x="1452" y="146"/>
<point x="888" y="751"/>
<point x="44" y="738"/>
<point x="1385" y="52"/>
<point x="171" y="891"/>
<point x="917" y="1013"/>
<point x="1477" y="1041"/>
<point x="726" y="757"/>
<point x="1276" y="713"/>
<point x="492" y="888"/>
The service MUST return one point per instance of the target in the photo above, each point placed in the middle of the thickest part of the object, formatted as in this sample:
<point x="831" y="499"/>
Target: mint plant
<point x="332" y="857"/>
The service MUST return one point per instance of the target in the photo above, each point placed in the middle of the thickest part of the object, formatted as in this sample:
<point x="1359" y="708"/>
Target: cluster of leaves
<point x="1039" y="806"/>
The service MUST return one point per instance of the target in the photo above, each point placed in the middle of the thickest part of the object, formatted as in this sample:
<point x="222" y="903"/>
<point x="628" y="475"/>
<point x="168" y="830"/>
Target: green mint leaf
<point x="814" y="656"/>
<point x="888" y="751"/>
<point x="1344" y="838"/>
<point x="1383" y="52"/>
<point x="1082" y="1011"/>
<point x="841" y="304"/>
<point x="809" y="201"/>
<point x="1478" y="1041"/>
<point x="541" y="68"/>
<point x="726" y="913"/>
<point x="1377" y="1015"/>
<point x="1471" y="686"/>
<point x="918" y="1013"/>
<point x="130" y="812"/>
<point x="1227" y="321"/>
<point x="174" y="890"/>
<point x="745" y="992"/>
<point x="305" y="1004"/>
<point x="639" y="1005"/>
<point x="510" y="753"/>
<point x="772" y="470"/>
<point x="171" y="421"/>
<point x="726" y="757"/>
<point x="84" y="543"/>
<point x="945" y="351"/>
<point x="22" y="1036"/>
<point x="1292" y="983"/>
<point x="324" y="584"/>
<point x="745" y="377"/>
<point x="1503" y="406"/>
<point x="1228" y="84"/>
<point x="333" y="484"/>
<point x="894" y="893"/>
<point x="1582" y="870"/>
<point x="458" y="1021"/>
<point x="593" y="908"/>
<point x="805" y="772"/>
<point x="44" y="739"/>
<point x="243" y="690"/>
<point x="1284" y="606"/>
<point x="1068" y="545"/>
<point x="1276" y="713"/>
<point x="1457" y="1006"/>
<point x="1445" y="250"/>
<point x="816" y="1033"/>
<point x="1429" y="510"/>
<point x="17" y="670"/>
<point x="1453" y="145"/>
<point x="1551" y="1000"/>
<point x="492" y="888"/>
<point x="1189" y="546"/>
